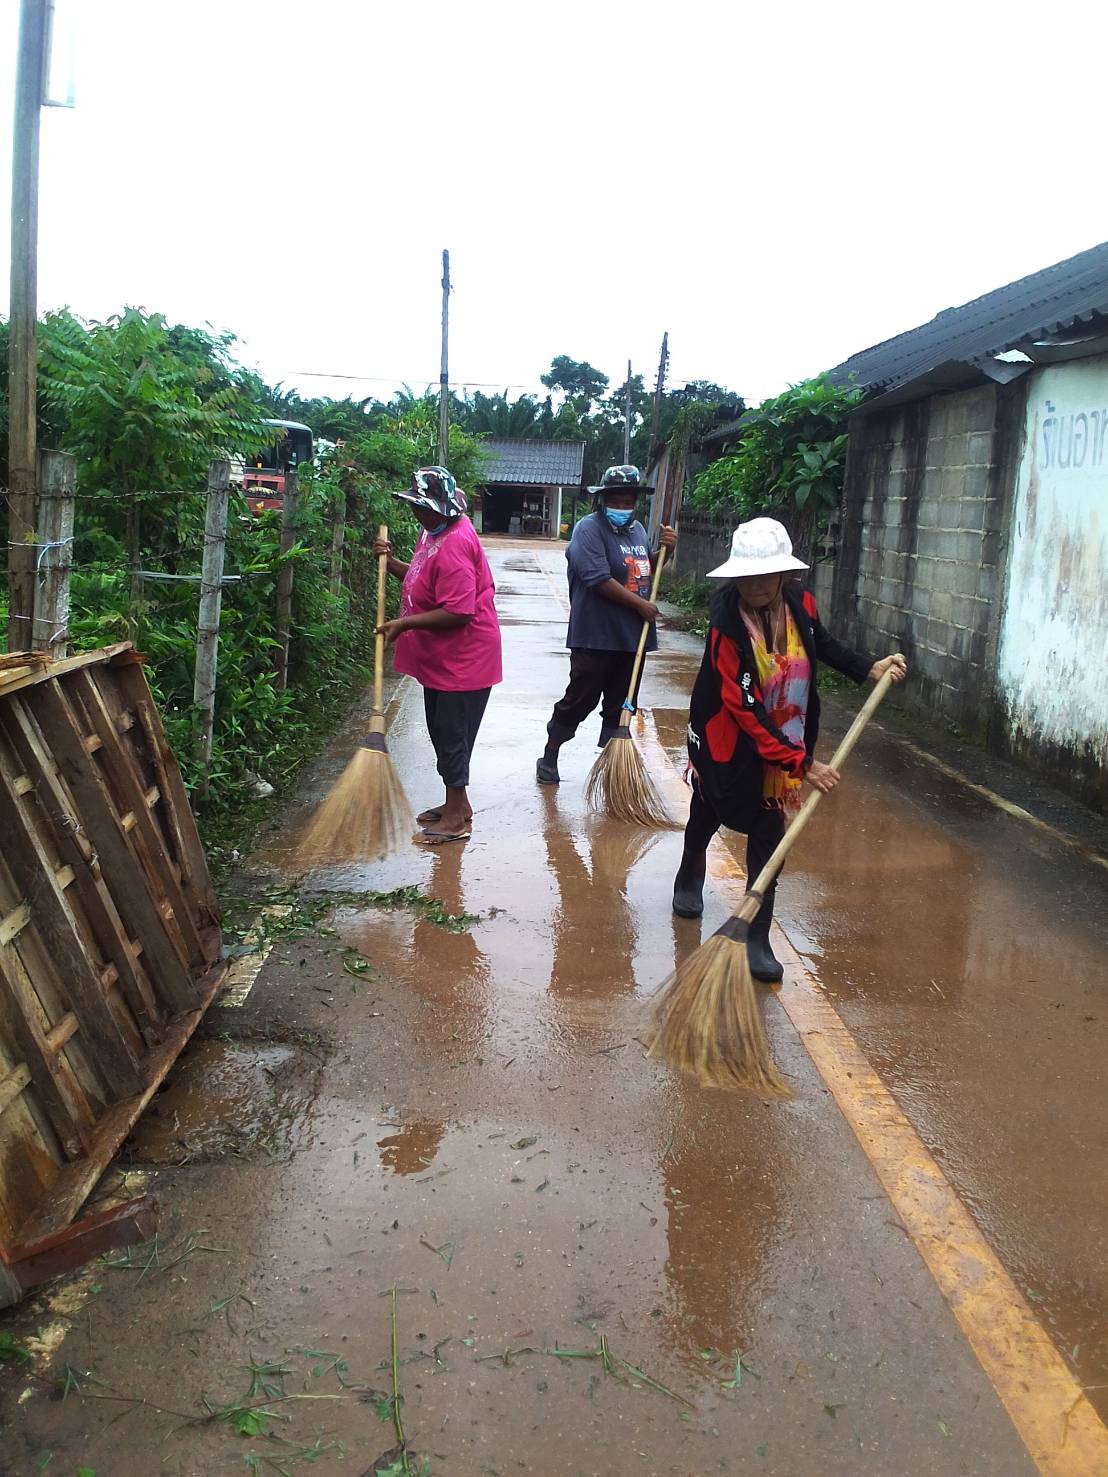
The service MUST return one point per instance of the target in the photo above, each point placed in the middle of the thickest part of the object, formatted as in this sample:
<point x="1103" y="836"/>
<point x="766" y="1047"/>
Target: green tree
<point x="497" y="416"/>
<point x="581" y="383"/>
<point x="790" y="457"/>
<point x="144" y="407"/>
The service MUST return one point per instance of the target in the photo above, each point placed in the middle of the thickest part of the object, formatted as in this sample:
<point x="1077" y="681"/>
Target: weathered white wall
<point x="1052" y="668"/>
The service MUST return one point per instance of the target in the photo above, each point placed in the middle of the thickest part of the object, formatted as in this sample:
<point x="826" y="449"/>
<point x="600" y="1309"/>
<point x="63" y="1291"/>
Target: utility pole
<point x="30" y="86"/>
<point x="627" y="419"/>
<point x="658" y="399"/>
<point x="444" y="373"/>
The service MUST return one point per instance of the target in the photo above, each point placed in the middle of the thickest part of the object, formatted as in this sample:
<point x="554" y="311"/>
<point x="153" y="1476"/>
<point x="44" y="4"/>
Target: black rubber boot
<point x="763" y="965"/>
<point x="546" y="767"/>
<point x="688" y="885"/>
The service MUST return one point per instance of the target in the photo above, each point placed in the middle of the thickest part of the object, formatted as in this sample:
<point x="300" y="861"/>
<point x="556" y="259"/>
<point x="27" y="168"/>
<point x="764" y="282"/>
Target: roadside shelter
<point x="520" y="493"/>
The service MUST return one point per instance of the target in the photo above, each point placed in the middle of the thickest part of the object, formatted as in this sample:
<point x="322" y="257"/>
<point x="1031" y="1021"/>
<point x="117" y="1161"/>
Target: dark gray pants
<point x="453" y="719"/>
<point x="594" y="677"/>
<point x="761" y="839"/>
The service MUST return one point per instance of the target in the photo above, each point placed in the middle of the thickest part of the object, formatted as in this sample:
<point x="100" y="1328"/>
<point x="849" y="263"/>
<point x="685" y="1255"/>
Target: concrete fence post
<point x="211" y="605"/>
<point x="57" y="492"/>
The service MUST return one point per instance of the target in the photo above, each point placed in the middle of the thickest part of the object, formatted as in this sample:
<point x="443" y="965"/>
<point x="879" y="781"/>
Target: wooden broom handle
<point x="641" y="652"/>
<point x="379" y="643"/>
<point x="837" y="760"/>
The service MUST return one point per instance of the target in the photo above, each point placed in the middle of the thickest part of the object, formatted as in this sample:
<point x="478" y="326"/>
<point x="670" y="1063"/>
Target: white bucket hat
<point x="761" y="546"/>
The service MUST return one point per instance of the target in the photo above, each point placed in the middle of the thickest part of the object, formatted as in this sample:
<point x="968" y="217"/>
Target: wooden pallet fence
<point x="110" y="940"/>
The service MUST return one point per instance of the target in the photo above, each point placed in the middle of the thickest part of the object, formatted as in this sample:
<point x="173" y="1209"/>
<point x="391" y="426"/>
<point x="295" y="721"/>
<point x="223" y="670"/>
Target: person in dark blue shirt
<point x="610" y="567"/>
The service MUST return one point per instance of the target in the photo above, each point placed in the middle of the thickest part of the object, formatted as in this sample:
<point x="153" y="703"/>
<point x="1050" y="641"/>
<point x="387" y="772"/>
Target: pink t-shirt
<point x="449" y="571"/>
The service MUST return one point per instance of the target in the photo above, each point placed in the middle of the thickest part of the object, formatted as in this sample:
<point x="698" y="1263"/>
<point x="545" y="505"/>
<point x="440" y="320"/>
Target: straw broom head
<point x="619" y="784"/>
<point x="366" y="815"/>
<point x="709" y="1023"/>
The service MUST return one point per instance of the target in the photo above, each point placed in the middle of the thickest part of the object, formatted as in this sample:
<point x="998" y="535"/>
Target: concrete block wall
<point x="926" y="505"/>
<point x="706" y="542"/>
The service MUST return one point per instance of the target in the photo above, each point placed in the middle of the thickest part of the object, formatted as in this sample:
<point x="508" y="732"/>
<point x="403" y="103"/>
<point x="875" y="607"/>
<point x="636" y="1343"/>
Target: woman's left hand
<point x="667" y="537"/>
<point x="391" y="629"/>
<point x="895" y="665"/>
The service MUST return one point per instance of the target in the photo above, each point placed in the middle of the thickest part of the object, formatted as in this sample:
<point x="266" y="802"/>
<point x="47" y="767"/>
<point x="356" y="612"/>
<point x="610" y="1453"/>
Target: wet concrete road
<point x="473" y="1122"/>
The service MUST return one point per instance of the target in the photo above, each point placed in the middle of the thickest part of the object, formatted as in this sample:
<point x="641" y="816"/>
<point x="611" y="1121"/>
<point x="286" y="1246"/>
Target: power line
<point x="403" y="379"/>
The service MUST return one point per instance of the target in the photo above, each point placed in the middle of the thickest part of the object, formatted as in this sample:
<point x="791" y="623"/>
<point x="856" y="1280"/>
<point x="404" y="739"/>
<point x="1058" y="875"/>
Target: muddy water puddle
<point x="242" y="1099"/>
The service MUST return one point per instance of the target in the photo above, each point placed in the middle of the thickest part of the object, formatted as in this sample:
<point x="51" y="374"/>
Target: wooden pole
<point x="57" y="491"/>
<point x="284" y="579"/>
<point x="379" y="641"/>
<point x="444" y="379"/>
<point x="627" y="419"/>
<point x="23" y="335"/>
<point x="657" y="411"/>
<point x="211" y="605"/>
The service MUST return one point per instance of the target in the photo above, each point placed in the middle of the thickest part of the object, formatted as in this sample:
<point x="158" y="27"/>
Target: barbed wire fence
<point x="48" y="629"/>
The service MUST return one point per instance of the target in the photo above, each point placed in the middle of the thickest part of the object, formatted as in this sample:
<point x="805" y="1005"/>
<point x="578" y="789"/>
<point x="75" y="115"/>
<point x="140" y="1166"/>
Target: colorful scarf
<point x="785" y="678"/>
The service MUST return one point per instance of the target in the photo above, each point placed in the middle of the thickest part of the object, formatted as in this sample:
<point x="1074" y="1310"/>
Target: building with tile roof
<point x="523" y="484"/>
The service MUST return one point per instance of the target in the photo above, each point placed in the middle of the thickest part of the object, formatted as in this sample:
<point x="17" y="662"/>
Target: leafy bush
<point x="145" y="406"/>
<point x="791" y="456"/>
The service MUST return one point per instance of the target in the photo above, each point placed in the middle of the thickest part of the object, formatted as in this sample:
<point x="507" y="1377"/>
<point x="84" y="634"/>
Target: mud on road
<point x="598" y="1268"/>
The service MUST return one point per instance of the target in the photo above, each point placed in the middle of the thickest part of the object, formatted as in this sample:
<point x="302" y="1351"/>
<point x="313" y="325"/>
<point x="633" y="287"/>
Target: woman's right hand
<point x="382" y="546"/>
<point x="391" y="630"/>
<point x="822" y="777"/>
<point x="648" y="611"/>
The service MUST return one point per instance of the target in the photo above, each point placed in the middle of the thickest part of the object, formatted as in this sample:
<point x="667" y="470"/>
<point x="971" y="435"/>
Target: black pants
<point x="453" y="719"/>
<point x="761" y="839"/>
<point x="594" y="677"/>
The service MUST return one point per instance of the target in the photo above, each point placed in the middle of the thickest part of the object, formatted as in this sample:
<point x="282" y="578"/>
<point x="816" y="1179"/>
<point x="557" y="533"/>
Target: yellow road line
<point x="1056" y="1422"/>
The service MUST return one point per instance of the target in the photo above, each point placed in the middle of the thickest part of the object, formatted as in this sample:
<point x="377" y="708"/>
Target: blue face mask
<point x="619" y="517"/>
<point x="438" y="528"/>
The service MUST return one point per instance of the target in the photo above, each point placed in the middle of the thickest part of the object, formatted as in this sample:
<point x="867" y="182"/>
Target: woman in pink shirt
<point x="447" y="637"/>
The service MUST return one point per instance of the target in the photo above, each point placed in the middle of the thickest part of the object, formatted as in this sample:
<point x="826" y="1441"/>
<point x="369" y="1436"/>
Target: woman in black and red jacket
<point x="754" y="715"/>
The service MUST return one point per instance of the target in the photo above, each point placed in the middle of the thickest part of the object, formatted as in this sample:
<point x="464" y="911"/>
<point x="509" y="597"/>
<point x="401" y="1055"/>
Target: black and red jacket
<point x="731" y="735"/>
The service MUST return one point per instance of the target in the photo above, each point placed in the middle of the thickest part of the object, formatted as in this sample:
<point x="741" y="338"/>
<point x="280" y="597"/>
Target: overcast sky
<point x="776" y="185"/>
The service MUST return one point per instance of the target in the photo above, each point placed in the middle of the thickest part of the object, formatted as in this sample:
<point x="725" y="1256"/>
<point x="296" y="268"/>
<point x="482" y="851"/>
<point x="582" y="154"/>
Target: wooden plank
<point x="169" y="810"/>
<point x="58" y="1035"/>
<point x="14" y="924"/>
<point x="56" y="925"/>
<point x="58" y="1090"/>
<point x="74" y="1183"/>
<point x="127" y="671"/>
<point x="127" y="784"/>
<point x="113" y="938"/>
<point x="28" y="1265"/>
<point x="59" y="669"/>
<point x="13" y="1084"/>
<point x="129" y="887"/>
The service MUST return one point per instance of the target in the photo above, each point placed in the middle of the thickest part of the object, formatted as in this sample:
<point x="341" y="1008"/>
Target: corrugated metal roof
<point x="540" y="463"/>
<point x="1015" y="316"/>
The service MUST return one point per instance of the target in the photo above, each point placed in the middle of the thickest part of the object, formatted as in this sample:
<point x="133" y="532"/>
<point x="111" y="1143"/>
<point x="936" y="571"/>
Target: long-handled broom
<point x="708" y="1022"/>
<point x="367" y="813"/>
<point x="619" y="783"/>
